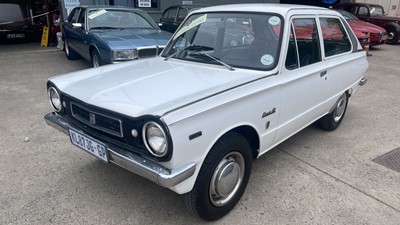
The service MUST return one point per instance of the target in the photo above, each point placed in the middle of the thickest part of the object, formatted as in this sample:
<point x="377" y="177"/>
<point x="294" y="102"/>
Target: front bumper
<point x="132" y="162"/>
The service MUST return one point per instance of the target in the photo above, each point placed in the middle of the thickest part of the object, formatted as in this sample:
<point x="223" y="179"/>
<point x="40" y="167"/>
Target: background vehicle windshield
<point x="237" y="39"/>
<point x="117" y="19"/>
<point x="10" y="12"/>
<point x="377" y="11"/>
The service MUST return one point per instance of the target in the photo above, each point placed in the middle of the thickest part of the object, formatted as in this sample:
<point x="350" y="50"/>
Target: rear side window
<point x="169" y="15"/>
<point x="335" y="38"/>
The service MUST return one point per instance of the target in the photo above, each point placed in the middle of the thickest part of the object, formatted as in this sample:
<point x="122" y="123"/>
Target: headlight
<point x="125" y="54"/>
<point x="155" y="139"/>
<point x="54" y="98"/>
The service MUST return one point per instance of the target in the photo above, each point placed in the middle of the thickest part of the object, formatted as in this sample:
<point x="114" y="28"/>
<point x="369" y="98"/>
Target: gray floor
<point x="315" y="177"/>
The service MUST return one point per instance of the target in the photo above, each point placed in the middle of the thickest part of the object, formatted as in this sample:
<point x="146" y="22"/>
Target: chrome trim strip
<point x="94" y="125"/>
<point x="133" y="162"/>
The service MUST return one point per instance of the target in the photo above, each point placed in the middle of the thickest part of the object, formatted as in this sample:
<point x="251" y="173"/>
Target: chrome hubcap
<point x="95" y="61"/>
<point x="66" y="48"/>
<point x="390" y="35"/>
<point x="340" y="107"/>
<point x="226" y="179"/>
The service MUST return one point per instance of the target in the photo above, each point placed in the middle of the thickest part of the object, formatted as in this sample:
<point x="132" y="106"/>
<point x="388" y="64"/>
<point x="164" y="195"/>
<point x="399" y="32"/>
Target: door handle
<point x="323" y="73"/>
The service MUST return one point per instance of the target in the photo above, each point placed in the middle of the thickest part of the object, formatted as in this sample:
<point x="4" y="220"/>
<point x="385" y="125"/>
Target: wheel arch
<point x="251" y="136"/>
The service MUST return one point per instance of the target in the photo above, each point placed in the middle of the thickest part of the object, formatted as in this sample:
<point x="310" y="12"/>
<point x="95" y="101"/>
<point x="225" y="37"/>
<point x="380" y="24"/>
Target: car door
<point x="70" y="34"/>
<point x="82" y="35"/>
<point x="303" y="79"/>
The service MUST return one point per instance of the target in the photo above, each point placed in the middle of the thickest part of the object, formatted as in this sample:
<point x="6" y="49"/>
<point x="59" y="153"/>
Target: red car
<point x="377" y="35"/>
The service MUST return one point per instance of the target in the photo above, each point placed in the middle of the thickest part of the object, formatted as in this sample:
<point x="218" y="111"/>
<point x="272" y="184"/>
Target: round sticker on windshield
<point x="274" y="21"/>
<point x="267" y="60"/>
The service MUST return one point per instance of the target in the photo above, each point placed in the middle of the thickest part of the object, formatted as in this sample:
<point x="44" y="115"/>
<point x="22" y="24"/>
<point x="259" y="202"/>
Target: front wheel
<point x="96" y="59"/>
<point x="69" y="52"/>
<point x="222" y="179"/>
<point x="393" y="36"/>
<point x="332" y="120"/>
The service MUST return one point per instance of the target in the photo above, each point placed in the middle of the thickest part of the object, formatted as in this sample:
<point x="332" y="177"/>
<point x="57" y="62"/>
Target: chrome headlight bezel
<point x="150" y="137"/>
<point x="123" y="55"/>
<point x="54" y="98"/>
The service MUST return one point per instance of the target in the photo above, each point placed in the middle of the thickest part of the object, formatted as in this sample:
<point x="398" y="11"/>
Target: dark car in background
<point x="376" y="35"/>
<point x="174" y="15"/>
<point x="14" y="24"/>
<point x="111" y="34"/>
<point x="375" y="14"/>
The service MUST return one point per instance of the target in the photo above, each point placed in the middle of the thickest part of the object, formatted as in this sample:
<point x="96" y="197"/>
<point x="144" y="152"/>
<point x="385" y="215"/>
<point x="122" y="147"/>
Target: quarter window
<point x="335" y="37"/>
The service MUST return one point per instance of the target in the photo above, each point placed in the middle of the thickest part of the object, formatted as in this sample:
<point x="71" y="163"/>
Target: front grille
<point x="149" y="52"/>
<point x="97" y="120"/>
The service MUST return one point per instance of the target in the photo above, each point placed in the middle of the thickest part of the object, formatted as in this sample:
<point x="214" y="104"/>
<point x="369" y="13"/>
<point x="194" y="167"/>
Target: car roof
<point x="109" y="7"/>
<point x="358" y="4"/>
<point x="260" y="7"/>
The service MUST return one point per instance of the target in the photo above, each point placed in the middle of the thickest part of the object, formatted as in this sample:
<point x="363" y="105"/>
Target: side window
<point x="73" y="16"/>
<point x="335" y="37"/>
<point x="292" y="55"/>
<point x="182" y="13"/>
<point x="307" y="40"/>
<point x="81" y="18"/>
<point x="363" y="11"/>
<point x="170" y="15"/>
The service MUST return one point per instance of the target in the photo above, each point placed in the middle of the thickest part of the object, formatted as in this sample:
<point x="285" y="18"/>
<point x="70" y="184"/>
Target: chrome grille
<point x="149" y="52"/>
<point x="97" y="120"/>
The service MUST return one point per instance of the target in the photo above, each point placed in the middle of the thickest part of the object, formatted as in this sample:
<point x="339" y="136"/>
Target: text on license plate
<point x="11" y="36"/>
<point x="89" y="145"/>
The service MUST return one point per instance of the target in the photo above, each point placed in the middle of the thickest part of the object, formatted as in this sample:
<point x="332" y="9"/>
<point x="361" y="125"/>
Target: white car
<point x="233" y="82"/>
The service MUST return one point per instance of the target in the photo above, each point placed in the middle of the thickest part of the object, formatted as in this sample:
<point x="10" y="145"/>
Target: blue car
<point x="111" y="34"/>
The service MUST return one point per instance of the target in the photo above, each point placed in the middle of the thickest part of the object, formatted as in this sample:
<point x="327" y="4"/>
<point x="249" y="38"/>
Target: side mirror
<point x="160" y="24"/>
<point x="77" y="25"/>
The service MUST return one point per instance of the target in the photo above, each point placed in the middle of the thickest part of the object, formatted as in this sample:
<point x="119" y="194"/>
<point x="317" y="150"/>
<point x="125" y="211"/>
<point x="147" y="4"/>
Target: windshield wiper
<point x="104" y="27"/>
<point x="190" y="48"/>
<point x="200" y="50"/>
<point x="205" y="53"/>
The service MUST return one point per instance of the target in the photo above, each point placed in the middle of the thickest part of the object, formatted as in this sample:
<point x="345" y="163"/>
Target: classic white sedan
<point x="233" y="82"/>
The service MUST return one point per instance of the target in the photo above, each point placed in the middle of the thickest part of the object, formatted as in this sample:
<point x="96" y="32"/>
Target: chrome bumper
<point x="133" y="162"/>
<point x="363" y="81"/>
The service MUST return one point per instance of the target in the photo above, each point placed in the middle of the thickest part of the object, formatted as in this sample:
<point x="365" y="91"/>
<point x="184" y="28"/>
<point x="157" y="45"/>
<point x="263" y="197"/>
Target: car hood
<point x="365" y="27"/>
<point x="133" y="38"/>
<point x="150" y="86"/>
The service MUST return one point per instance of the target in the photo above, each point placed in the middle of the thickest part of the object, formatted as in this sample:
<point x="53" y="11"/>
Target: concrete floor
<point x="315" y="177"/>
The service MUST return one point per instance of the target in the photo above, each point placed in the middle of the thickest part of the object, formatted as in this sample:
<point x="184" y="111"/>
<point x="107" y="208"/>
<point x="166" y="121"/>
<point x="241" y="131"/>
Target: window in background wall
<point x="147" y="5"/>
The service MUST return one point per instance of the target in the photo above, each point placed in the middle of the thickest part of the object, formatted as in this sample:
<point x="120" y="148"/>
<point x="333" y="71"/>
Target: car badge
<point x="92" y="118"/>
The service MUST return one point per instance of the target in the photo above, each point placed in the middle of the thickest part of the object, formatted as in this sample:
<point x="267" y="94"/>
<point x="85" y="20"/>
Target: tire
<point x="96" y="59"/>
<point x="332" y="120"/>
<point x="212" y="198"/>
<point x="69" y="52"/>
<point x="393" y="35"/>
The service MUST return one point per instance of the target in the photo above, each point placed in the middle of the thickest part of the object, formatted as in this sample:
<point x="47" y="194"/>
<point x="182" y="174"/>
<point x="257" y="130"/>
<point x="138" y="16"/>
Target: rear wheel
<point x="222" y="179"/>
<point x="393" y="36"/>
<point x="69" y="52"/>
<point x="332" y="120"/>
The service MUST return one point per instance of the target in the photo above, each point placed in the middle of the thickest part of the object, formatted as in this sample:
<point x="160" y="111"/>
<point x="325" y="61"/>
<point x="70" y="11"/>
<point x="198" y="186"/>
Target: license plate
<point x="12" y="36"/>
<point x="88" y="144"/>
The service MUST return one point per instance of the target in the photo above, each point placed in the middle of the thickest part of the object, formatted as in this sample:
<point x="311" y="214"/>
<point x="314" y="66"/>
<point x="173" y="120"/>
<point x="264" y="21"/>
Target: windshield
<point x="10" y="12"/>
<point x="347" y="15"/>
<point x="98" y="19"/>
<point x="236" y="39"/>
<point x="376" y="11"/>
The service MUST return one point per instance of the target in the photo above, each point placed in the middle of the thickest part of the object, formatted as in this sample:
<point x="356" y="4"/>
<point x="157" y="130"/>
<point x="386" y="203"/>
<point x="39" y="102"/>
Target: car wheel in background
<point x="96" y="59"/>
<point x="393" y="36"/>
<point x="222" y="179"/>
<point x="69" y="52"/>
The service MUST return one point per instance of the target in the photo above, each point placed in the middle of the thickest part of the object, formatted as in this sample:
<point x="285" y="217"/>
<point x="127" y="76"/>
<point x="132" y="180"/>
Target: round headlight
<point x="54" y="98"/>
<point x="155" y="139"/>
